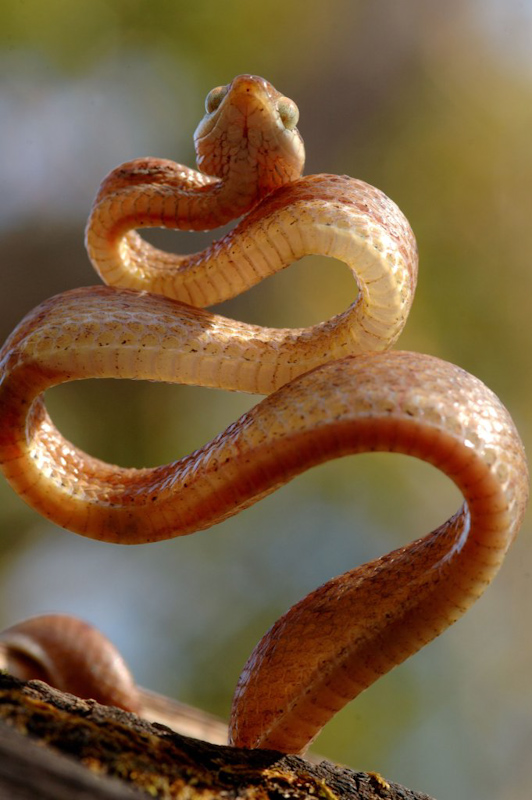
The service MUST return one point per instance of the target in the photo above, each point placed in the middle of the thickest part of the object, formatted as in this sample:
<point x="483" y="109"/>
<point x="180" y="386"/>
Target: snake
<point x="74" y="656"/>
<point x="332" y="389"/>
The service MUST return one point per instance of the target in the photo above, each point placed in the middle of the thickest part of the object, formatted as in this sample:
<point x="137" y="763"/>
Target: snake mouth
<point x="253" y="83"/>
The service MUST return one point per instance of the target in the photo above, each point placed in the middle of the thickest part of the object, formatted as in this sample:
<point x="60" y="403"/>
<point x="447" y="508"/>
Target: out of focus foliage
<point x="432" y="103"/>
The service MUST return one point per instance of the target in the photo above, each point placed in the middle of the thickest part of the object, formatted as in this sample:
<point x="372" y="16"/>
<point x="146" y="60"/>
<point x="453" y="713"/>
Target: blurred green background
<point x="432" y="103"/>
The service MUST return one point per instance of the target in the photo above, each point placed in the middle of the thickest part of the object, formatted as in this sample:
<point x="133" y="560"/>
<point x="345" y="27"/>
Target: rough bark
<point x="54" y="746"/>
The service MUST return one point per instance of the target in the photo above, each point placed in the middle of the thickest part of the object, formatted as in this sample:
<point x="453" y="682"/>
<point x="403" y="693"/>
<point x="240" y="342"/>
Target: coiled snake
<point x="333" y="389"/>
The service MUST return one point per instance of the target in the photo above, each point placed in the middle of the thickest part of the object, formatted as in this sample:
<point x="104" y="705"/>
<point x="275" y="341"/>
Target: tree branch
<point x="103" y="753"/>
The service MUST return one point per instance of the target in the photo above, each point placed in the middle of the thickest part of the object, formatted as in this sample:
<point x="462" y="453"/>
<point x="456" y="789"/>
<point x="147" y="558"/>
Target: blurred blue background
<point x="430" y="102"/>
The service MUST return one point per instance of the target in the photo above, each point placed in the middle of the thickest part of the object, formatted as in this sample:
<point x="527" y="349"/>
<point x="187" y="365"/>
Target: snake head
<point x="250" y="126"/>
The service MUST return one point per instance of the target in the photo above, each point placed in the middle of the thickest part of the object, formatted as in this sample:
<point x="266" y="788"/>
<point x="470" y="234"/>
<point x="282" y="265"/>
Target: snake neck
<point x="149" y="192"/>
<point x="222" y="200"/>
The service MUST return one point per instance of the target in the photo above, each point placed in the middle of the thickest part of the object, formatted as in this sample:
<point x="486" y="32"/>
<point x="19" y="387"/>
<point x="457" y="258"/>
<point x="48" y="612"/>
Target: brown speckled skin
<point x="342" y="637"/>
<point x="332" y="390"/>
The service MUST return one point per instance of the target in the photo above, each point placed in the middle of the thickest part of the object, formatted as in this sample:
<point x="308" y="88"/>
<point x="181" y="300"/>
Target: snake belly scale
<point x="332" y="389"/>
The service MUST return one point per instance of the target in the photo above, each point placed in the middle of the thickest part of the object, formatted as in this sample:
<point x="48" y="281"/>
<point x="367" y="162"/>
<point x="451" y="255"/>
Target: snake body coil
<point x="332" y="389"/>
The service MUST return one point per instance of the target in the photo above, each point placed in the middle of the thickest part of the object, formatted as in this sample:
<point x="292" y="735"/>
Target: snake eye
<point x="289" y="112"/>
<point x="214" y="98"/>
